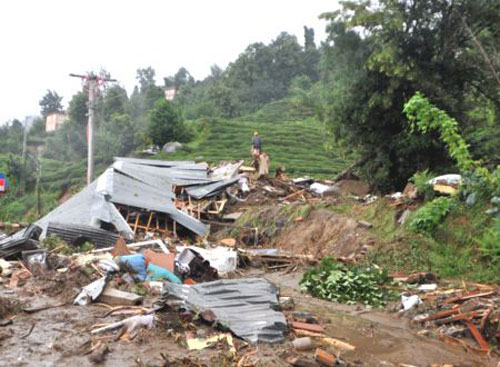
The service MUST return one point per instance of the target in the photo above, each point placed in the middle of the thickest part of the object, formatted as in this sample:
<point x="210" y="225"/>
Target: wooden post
<point x="149" y="221"/>
<point x="137" y="216"/>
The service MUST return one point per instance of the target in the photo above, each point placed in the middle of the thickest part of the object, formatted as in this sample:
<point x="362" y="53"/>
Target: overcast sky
<point x="43" y="41"/>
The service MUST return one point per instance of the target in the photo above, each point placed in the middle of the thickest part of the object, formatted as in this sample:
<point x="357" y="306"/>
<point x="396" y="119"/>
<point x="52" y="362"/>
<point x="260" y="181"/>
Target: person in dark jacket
<point x="256" y="144"/>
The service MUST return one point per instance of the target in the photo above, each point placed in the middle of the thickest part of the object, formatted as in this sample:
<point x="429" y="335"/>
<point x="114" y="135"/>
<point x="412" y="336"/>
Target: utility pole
<point x="23" y="156"/>
<point x="27" y="119"/>
<point x="91" y="83"/>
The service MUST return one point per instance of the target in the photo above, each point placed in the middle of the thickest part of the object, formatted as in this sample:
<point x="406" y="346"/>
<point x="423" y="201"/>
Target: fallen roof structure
<point x="131" y="190"/>
<point x="148" y="185"/>
<point x="245" y="306"/>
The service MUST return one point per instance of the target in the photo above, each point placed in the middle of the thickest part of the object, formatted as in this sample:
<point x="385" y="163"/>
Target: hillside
<point x="292" y="138"/>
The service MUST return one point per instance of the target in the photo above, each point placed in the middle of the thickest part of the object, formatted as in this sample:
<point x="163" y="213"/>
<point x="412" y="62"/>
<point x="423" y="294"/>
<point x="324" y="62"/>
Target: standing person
<point x="256" y="144"/>
<point x="255" y="150"/>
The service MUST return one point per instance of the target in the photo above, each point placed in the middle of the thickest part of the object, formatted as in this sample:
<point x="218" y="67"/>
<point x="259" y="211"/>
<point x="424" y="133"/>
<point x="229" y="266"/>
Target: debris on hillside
<point x="466" y="317"/>
<point x="131" y="252"/>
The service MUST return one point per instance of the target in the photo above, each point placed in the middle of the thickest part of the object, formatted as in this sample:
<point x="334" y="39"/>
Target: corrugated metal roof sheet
<point x="138" y="183"/>
<point x="205" y="191"/>
<point x="245" y="306"/>
<point x="128" y="191"/>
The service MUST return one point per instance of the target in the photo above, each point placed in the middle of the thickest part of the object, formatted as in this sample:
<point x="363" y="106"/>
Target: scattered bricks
<point x="324" y="358"/>
<point x="309" y="327"/>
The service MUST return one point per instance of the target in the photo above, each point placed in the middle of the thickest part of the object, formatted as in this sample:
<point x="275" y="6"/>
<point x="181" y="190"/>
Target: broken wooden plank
<point x="461" y="316"/>
<point x="467" y="296"/>
<point x="339" y="344"/>
<point x="315" y="328"/>
<point x="300" y="332"/>
<point x="477" y="335"/>
<point x="113" y="296"/>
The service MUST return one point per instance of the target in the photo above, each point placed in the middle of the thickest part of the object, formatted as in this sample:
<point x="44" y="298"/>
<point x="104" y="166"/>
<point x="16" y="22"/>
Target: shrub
<point x="489" y="242"/>
<point x="337" y="282"/>
<point x="430" y="215"/>
<point x="421" y="181"/>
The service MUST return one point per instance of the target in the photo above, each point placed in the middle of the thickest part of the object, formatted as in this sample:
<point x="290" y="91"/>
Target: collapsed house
<point x="132" y="196"/>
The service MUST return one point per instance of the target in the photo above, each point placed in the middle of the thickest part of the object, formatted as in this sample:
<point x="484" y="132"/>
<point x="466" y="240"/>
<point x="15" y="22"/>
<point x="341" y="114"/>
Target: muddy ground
<point x="60" y="336"/>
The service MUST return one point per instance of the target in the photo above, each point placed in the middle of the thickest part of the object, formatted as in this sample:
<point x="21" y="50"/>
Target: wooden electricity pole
<point x="91" y="83"/>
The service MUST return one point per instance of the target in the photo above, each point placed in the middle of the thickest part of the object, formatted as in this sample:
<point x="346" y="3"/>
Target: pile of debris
<point x="467" y="316"/>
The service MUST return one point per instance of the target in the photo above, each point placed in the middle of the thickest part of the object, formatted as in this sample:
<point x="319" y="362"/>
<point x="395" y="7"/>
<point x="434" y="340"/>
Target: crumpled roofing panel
<point x="140" y="183"/>
<point x="127" y="191"/>
<point x="245" y="306"/>
<point x="206" y="191"/>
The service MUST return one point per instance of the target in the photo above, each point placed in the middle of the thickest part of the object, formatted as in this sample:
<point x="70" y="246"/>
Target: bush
<point x="421" y="181"/>
<point x="166" y="124"/>
<point x="429" y="216"/>
<point x="336" y="282"/>
<point x="489" y="242"/>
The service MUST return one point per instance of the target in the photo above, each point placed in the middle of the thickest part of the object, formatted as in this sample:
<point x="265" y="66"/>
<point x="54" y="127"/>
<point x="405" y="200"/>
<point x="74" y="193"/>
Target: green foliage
<point x="421" y="181"/>
<point x="166" y="124"/>
<point x="51" y="243"/>
<point x="429" y="216"/>
<point x="51" y="102"/>
<point x="297" y="145"/>
<point x="406" y="46"/>
<point x="337" y="282"/>
<point x="426" y="117"/>
<point x="489" y="243"/>
<point x="261" y="74"/>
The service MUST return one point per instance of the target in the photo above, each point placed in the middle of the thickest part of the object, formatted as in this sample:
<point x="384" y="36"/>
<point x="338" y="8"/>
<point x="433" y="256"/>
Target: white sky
<point x="42" y="41"/>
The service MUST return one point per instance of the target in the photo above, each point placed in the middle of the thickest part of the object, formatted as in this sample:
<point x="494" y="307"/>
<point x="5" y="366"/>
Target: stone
<point x="172" y="147"/>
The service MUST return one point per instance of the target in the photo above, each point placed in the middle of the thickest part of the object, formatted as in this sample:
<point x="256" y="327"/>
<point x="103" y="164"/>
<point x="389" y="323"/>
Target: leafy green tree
<point x="115" y="100"/>
<point x="407" y="46"/>
<point x="78" y="109"/>
<point x="165" y="124"/>
<point x="146" y="78"/>
<point x="38" y="127"/>
<point x="50" y="102"/>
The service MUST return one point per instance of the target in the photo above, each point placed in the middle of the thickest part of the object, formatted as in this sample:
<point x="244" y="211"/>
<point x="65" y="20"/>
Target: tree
<point x="114" y="101"/>
<point x="146" y="78"/>
<point x="51" y="102"/>
<point x="407" y="46"/>
<point x="78" y="109"/>
<point x="165" y="124"/>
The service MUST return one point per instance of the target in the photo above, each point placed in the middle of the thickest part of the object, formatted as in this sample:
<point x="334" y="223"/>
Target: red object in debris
<point x="189" y="281"/>
<point x="325" y="358"/>
<point x="467" y="296"/>
<point x="309" y="327"/>
<point x="166" y="261"/>
<point x="477" y="335"/>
